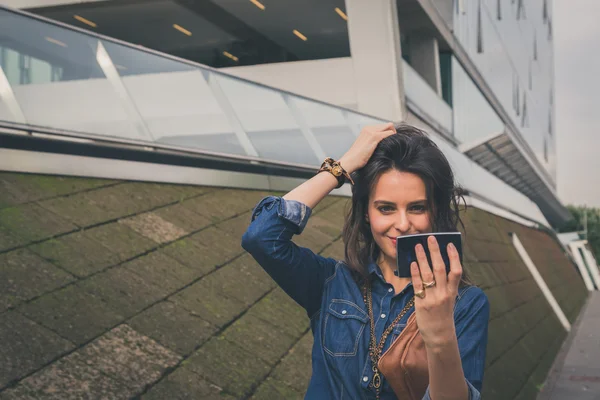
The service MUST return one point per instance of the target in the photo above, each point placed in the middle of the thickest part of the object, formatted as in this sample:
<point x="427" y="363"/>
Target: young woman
<point x="358" y="307"/>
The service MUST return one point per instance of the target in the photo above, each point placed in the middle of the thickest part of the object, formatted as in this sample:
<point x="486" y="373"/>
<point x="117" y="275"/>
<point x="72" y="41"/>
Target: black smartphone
<point x="405" y="246"/>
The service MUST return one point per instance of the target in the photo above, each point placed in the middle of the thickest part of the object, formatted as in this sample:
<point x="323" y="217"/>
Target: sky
<point x="577" y="94"/>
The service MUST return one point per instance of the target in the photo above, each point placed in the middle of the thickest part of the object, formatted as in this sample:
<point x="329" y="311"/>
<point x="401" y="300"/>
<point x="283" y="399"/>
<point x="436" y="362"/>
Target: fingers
<point x="416" y="280"/>
<point x="455" y="273"/>
<point x="439" y="268"/>
<point x="426" y="273"/>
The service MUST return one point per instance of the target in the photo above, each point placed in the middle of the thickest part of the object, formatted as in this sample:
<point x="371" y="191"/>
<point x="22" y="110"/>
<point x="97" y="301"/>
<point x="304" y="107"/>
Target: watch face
<point x="337" y="170"/>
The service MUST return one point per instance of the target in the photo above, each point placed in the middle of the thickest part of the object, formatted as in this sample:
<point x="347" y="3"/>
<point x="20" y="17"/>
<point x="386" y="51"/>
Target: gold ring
<point x="420" y="294"/>
<point x="427" y="285"/>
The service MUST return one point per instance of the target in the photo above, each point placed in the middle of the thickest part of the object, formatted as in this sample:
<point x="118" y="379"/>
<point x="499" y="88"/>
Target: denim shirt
<point x="324" y="287"/>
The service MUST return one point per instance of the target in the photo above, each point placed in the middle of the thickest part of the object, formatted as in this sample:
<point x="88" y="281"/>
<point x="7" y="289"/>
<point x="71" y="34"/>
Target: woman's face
<point x="397" y="207"/>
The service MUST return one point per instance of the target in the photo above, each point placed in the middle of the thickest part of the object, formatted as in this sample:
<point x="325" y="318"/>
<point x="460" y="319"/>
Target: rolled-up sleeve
<point x="298" y="271"/>
<point x="473" y="392"/>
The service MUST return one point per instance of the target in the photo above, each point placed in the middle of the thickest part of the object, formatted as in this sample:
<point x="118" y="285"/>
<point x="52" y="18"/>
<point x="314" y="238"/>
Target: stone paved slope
<point x="114" y="290"/>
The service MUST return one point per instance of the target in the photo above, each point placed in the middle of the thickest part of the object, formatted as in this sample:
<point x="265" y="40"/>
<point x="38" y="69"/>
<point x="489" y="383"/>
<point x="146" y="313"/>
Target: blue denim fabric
<point x="341" y="367"/>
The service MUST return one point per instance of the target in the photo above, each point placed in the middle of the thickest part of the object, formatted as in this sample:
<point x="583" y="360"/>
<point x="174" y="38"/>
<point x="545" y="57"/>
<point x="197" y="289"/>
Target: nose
<point x="402" y="223"/>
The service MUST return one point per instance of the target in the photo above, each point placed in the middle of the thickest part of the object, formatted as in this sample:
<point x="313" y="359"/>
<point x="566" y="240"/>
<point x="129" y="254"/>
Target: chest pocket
<point x="343" y="328"/>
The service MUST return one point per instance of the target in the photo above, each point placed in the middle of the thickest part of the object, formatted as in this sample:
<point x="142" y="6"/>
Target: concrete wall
<point x="153" y="275"/>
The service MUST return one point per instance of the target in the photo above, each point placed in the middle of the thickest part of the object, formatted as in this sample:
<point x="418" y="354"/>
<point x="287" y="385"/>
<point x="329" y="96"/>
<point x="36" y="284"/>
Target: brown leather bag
<point x="404" y="364"/>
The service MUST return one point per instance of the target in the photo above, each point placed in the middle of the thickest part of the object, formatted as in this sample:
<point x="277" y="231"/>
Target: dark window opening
<point x="535" y="47"/>
<point x="545" y="11"/>
<point x="446" y="75"/>
<point x="545" y="150"/>
<point x="530" y="77"/>
<point x="499" y="10"/>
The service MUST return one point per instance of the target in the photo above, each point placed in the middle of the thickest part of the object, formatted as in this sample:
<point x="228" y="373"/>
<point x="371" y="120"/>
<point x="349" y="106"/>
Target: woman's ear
<point x="367" y="218"/>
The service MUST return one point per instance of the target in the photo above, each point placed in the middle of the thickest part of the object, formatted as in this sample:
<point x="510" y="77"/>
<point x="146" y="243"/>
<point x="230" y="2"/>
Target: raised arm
<point x="298" y="271"/>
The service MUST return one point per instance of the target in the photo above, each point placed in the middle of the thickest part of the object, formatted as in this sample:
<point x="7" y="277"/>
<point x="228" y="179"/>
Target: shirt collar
<point x="373" y="268"/>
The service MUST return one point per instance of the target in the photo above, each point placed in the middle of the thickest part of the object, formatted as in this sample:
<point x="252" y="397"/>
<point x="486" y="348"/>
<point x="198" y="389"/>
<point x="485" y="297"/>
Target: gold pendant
<point x="377" y="380"/>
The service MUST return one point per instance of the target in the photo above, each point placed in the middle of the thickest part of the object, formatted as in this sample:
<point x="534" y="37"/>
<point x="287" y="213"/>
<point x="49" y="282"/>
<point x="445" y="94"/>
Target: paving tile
<point x="124" y="291"/>
<point x="18" y="188"/>
<point x="222" y="245"/>
<point x="127" y="356"/>
<point x="295" y="368"/>
<point x="219" y="205"/>
<point x="237" y="226"/>
<point x="184" y="384"/>
<point x="65" y="380"/>
<point x="264" y="340"/>
<point x="242" y="279"/>
<point x="23" y="276"/>
<point x="32" y="222"/>
<point x="194" y="255"/>
<point x="8" y="240"/>
<point x="162" y="271"/>
<point x="326" y="202"/>
<point x="273" y="389"/>
<point x="78" y="209"/>
<point x="26" y="346"/>
<point x="120" y="240"/>
<point x="77" y="253"/>
<point x="207" y="302"/>
<point x="229" y="366"/>
<point x="73" y="313"/>
<point x="183" y="217"/>
<point x="279" y="310"/>
<point x="152" y="195"/>
<point x="173" y="326"/>
<point x="154" y="227"/>
<point x="335" y="250"/>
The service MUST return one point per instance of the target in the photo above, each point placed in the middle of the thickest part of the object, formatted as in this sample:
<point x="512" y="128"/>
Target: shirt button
<point x="344" y="312"/>
<point x="365" y="378"/>
<point x="382" y="315"/>
<point x="390" y="290"/>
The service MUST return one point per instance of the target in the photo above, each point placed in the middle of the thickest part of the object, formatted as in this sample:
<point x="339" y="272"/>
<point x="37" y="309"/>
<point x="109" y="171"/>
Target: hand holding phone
<point x="405" y="249"/>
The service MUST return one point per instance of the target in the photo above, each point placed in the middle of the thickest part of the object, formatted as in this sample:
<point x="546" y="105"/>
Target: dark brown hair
<point x="409" y="150"/>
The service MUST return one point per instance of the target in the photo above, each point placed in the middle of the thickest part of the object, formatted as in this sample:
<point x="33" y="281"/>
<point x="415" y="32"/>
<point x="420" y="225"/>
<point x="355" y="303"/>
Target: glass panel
<point x="57" y="81"/>
<point x="425" y="98"/>
<point x="474" y="118"/>
<point x="267" y="121"/>
<point x="328" y="125"/>
<point x="175" y="101"/>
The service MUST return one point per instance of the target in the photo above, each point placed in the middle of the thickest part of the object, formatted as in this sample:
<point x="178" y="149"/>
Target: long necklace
<point x="375" y="349"/>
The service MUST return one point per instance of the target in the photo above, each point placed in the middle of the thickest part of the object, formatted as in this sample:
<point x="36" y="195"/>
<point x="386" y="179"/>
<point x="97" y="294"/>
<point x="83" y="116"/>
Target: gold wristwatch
<point x="334" y="167"/>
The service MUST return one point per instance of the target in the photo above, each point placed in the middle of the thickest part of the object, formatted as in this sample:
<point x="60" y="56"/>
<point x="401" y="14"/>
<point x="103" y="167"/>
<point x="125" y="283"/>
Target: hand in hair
<point x="364" y="146"/>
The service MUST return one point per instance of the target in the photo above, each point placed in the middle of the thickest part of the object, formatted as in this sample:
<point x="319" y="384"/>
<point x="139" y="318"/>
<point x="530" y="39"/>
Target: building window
<point x="521" y="10"/>
<point x="535" y="50"/>
<point x="24" y="69"/>
<point x="546" y="150"/>
<point x="550" y="123"/>
<point x="545" y="11"/>
<point x="499" y="10"/>
<point x="549" y="29"/>
<point x="479" y="30"/>
<point x="530" y="77"/>
<point x="55" y="73"/>
<point x="446" y="76"/>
